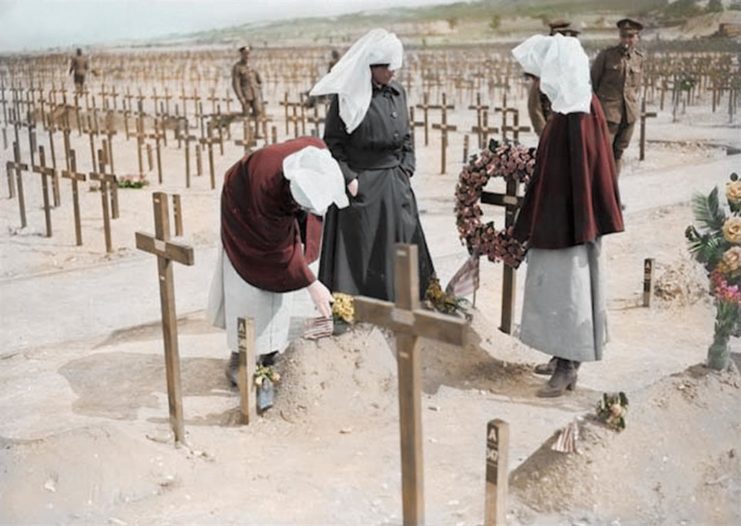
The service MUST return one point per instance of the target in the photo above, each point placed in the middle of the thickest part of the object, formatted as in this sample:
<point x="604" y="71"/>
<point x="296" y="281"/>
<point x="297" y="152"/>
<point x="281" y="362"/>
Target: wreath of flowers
<point x="510" y="161"/>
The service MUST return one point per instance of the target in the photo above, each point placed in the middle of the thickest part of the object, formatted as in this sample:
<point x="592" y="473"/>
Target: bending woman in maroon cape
<point x="571" y="203"/>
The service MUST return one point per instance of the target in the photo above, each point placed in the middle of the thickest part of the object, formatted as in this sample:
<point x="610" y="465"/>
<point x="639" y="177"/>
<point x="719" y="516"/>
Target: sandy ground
<point x="84" y="436"/>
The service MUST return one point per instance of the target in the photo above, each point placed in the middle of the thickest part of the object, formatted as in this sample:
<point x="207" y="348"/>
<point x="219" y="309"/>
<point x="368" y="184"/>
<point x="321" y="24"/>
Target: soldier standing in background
<point x="538" y="105"/>
<point x="248" y="87"/>
<point x="78" y="67"/>
<point x="617" y="79"/>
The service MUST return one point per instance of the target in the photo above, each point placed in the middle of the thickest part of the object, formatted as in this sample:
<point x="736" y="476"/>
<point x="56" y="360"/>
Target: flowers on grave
<point x="264" y="372"/>
<point x="437" y="299"/>
<point x="733" y="192"/>
<point x="716" y="245"/>
<point x="509" y="161"/>
<point x="343" y="308"/>
<point x="732" y="230"/>
<point x="131" y="181"/>
<point x="611" y="410"/>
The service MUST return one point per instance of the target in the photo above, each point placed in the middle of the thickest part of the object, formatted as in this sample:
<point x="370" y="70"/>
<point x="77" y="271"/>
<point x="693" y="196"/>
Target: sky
<point x="27" y="25"/>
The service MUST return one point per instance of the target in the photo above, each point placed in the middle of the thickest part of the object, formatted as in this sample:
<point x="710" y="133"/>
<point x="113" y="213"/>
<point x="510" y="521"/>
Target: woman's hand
<point x="321" y="297"/>
<point x="352" y="187"/>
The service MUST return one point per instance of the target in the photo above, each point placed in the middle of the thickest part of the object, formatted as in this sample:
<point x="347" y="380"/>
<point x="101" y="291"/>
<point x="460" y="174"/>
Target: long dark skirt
<point x="358" y="244"/>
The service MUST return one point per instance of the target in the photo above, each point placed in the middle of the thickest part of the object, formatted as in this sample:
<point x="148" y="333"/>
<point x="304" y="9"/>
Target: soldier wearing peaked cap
<point x="247" y="85"/>
<point x="617" y="75"/>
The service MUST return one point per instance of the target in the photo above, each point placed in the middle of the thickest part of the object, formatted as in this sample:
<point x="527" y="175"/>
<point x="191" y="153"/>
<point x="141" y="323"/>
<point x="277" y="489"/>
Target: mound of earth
<point x="649" y="473"/>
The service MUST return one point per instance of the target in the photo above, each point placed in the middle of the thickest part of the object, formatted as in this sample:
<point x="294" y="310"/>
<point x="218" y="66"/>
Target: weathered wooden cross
<point x="444" y="128"/>
<point x="497" y="472"/>
<point x="73" y="175"/>
<point x="511" y="203"/>
<point x="167" y="252"/>
<point x="45" y="172"/>
<point x="644" y="115"/>
<point x="18" y="167"/>
<point x="104" y="179"/>
<point x="409" y="323"/>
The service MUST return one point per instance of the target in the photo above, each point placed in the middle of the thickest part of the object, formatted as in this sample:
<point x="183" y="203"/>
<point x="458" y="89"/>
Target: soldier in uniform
<point x="248" y="87"/>
<point x="78" y="67"/>
<point x="538" y="105"/>
<point x="616" y="79"/>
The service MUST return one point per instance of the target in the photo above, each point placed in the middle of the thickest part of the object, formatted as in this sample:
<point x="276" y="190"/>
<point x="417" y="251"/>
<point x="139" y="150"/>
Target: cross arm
<point x="166" y="249"/>
<point x="422" y="323"/>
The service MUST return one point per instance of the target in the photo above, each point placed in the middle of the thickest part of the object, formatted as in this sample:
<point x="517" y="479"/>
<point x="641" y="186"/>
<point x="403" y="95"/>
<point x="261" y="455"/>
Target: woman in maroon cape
<point x="266" y="197"/>
<point x="571" y="202"/>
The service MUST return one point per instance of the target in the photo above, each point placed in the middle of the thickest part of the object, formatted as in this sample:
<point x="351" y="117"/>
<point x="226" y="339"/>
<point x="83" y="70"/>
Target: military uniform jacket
<point x="78" y="65"/>
<point x="246" y="82"/>
<point x="616" y="79"/>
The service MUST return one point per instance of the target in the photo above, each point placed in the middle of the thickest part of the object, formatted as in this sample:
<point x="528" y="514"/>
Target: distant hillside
<point x="484" y="21"/>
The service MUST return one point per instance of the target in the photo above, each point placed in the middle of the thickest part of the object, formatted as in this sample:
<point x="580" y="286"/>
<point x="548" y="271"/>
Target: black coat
<point x="357" y="254"/>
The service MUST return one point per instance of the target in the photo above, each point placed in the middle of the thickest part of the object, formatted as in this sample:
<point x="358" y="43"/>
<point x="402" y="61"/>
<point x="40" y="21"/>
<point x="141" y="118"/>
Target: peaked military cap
<point x="630" y="26"/>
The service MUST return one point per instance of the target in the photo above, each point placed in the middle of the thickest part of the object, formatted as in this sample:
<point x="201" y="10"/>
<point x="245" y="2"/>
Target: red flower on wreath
<point x="510" y="161"/>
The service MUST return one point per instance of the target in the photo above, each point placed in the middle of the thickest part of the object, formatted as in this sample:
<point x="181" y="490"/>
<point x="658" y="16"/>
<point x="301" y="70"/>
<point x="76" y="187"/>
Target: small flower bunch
<point x="437" y="299"/>
<point x="611" y="410"/>
<point x="343" y="308"/>
<point x="510" y="161"/>
<point x="717" y="245"/>
<point x="131" y="181"/>
<point x="264" y="372"/>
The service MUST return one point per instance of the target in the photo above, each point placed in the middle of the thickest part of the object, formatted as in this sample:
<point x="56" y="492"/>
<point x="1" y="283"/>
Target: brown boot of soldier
<point x="546" y="369"/>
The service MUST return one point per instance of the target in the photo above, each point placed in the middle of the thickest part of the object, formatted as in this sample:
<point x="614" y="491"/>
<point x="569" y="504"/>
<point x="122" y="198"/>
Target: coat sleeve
<point x="336" y="137"/>
<point x="535" y="108"/>
<point x="597" y="68"/>
<point x="408" y="159"/>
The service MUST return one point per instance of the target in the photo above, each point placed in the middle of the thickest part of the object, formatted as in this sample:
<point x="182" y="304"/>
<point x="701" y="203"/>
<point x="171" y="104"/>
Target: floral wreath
<point x="510" y="161"/>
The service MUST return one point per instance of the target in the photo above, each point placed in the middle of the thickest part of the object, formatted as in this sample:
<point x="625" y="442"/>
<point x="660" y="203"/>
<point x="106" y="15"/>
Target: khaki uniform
<point x="247" y="85"/>
<point x="78" y="66"/>
<point x="617" y="76"/>
<point x="538" y="107"/>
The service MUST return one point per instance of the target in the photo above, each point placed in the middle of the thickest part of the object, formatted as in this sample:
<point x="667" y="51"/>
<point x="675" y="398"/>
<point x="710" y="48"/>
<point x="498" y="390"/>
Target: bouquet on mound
<point x="717" y="245"/>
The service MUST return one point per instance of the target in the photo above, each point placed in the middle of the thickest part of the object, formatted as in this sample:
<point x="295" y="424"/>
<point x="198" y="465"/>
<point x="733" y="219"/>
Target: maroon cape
<point x="260" y="227"/>
<point x="573" y="197"/>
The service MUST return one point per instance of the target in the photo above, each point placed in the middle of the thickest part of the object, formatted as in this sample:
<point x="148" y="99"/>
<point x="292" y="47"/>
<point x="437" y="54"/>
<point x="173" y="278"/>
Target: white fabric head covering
<point x="563" y="68"/>
<point x="350" y="78"/>
<point x="316" y="179"/>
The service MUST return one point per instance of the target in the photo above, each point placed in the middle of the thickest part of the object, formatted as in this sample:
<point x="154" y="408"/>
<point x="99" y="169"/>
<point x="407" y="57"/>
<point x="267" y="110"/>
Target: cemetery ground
<point x="84" y="433"/>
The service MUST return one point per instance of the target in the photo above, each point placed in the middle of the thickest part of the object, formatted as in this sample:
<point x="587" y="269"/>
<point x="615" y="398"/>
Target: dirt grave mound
<point x="648" y="472"/>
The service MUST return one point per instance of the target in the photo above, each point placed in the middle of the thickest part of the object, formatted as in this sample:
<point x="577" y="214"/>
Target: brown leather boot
<point x="564" y="378"/>
<point x="546" y="369"/>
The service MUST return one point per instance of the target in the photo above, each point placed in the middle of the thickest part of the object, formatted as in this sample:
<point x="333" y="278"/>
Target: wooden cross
<point x="409" y="323"/>
<point x="648" y="279"/>
<point x="55" y="178"/>
<point x="104" y="179"/>
<point x="246" y="370"/>
<point x="444" y="128"/>
<point x="483" y="131"/>
<point x="511" y="203"/>
<point x="45" y="172"/>
<point x="73" y="175"/>
<point x="247" y="141"/>
<point x="210" y="143"/>
<point x="497" y="472"/>
<point x="18" y="167"/>
<point x="167" y="252"/>
<point x="644" y="115"/>
<point x="481" y="110"/>
<point x="188" y="139"/>
<point x="177" y="214"/>
<point x="515" y="128"/>
<point x="425" y="107"/>
<point x="157" y="135"/>
<point x="140" y="136"/>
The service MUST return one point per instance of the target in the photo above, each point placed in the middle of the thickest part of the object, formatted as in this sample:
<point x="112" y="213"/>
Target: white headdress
<point x="563" y="68"/>
<point x="316" y="179"/>
<point x="350" y="78"/>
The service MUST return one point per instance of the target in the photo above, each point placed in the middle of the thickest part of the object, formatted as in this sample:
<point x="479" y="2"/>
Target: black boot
<point x="546" y="369"/>
<point x="564" y="378"/>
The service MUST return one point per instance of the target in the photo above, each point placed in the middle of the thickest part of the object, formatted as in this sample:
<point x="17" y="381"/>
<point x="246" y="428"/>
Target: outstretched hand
<point x="352" y="187"/>
<point x="321" y="297"/>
